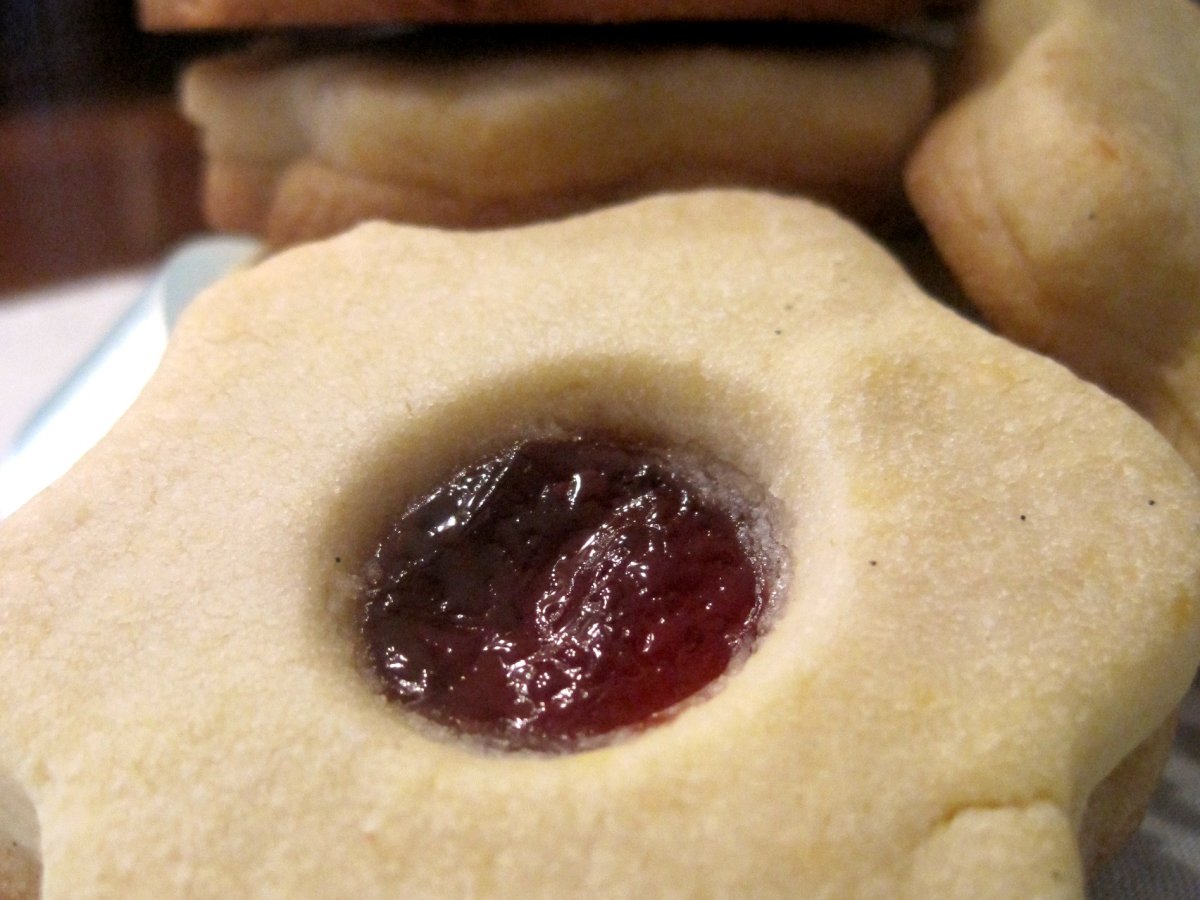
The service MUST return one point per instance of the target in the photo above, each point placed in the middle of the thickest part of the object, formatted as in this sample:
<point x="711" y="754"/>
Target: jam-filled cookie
<point x="1063" y="188"/>
<point x="680" y="549"/>
<point x="493" y="128"/>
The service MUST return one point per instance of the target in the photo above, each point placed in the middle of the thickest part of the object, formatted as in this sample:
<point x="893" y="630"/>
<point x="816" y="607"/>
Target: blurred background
<point x="99" y="180"/>
<point x="97" y="170"/>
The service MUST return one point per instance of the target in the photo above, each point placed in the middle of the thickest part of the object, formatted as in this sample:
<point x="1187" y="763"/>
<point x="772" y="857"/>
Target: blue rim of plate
<point x="86" y="405"/>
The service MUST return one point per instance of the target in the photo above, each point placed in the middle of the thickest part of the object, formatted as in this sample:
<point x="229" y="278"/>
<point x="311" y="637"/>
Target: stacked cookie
<point x="167" y="15"/>
<point x="975" y="580"/>
<point x="488" y="126"/>
<point x="474" y="129"/>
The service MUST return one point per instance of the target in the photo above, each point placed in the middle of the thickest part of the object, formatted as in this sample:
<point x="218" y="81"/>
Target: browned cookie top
<point x="167" y="15"/>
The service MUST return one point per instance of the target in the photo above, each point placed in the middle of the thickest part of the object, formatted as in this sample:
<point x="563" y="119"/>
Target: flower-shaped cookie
<point x="990" y="595"/>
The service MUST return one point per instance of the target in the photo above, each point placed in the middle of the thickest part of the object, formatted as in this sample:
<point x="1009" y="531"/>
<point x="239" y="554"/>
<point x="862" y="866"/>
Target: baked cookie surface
<point x="470" y="131"/>
<point x="991" y="600"/>
<point x="1063" y="188"/>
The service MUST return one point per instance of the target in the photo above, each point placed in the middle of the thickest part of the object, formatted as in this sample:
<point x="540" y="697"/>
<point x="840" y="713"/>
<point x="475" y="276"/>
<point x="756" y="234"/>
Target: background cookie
<point x="169" y="15"/>
<point x="457" y="129"/>
<point x="1063" y="188"/>
<point x="962" y="656"/>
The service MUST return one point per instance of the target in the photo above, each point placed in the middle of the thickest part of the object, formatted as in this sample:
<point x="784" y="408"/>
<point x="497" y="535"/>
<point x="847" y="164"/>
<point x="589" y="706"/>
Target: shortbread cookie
<point x="1064" y="190"/>
<point x="172" y="15"/>
<point x="454" y="131"/>
<point x="981" y="578"/>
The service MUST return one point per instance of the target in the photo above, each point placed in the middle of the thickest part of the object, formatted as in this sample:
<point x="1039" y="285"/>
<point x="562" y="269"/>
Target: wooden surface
<point x="90" y="187"/>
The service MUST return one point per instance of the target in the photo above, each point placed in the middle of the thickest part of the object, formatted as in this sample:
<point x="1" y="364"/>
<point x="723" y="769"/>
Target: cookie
<point x="173" y="15"/>
<point x="470" y="132"/>
<point x="1063" y="189"/>
<point x="984" y="578"/>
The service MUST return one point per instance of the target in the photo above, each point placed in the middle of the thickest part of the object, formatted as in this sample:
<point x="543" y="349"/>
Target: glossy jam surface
<point x="559" y="591"/>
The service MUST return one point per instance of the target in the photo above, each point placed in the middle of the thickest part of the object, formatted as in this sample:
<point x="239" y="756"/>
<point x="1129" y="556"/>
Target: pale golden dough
<point x="170" y="15"/>
<point x="1063" y="188"/>
<point x="992" y="597"/>
<point x="303" y="146"/>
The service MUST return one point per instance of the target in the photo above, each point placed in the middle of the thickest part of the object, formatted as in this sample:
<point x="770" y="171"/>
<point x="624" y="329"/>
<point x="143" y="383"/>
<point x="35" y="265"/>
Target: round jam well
<point x="562" y="590"/>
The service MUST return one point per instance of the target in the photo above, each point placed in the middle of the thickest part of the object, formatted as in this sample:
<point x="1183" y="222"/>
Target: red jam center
<point x="558" y="591"/>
